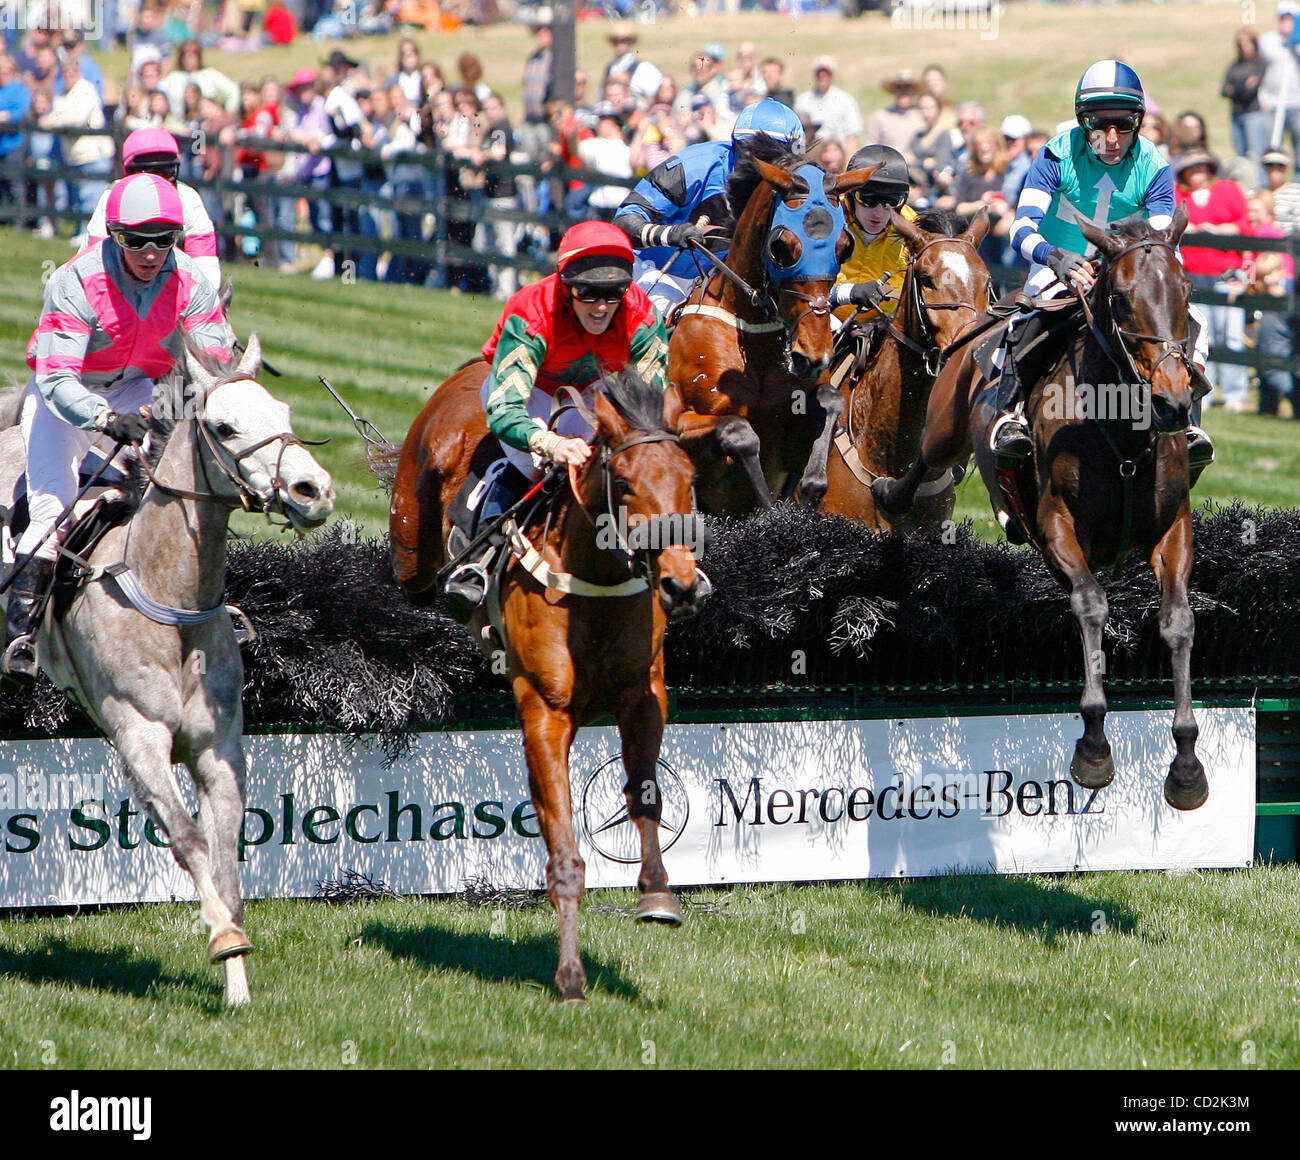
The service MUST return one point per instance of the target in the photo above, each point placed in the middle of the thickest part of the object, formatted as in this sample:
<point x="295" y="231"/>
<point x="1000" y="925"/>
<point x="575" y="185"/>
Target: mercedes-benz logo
<point x="605" y="818"/>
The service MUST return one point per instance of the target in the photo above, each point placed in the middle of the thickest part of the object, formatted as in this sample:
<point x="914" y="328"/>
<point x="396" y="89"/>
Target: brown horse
<point x="1109" y="472"/>
<point x="751" y="345"/>
<point x="945" y="288"/>
<point x="582" y="625"/>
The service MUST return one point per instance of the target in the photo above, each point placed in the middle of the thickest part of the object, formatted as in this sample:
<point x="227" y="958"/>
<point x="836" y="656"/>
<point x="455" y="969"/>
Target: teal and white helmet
<point x="1109" y="84"/>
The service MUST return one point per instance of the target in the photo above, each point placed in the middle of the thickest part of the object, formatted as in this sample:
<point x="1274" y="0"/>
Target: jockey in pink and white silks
<point x="114" y="319"/>
<point x="156" y="151"/>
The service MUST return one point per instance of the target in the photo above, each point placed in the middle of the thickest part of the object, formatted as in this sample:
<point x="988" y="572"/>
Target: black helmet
<point x="891" y="177"/>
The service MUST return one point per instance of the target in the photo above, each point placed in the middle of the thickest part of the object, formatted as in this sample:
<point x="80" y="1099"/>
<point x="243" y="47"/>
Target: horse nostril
<point x="305" y="491"/>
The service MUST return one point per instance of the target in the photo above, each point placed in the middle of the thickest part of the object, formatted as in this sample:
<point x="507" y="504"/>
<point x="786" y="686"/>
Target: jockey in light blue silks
<point x="1104" y="171"/>
<point x="670" y="205"/>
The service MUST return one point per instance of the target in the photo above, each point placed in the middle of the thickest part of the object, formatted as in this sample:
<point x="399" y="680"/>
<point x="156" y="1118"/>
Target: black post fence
<point x="227" y="194"/>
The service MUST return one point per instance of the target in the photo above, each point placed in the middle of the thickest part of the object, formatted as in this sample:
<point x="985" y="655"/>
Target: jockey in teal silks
<point x="1101" y="170"/>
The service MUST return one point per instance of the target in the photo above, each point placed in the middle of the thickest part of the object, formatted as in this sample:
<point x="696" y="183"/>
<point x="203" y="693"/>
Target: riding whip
<point x="364" y="427"/>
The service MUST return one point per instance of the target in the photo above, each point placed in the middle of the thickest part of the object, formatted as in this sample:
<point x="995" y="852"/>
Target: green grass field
<point x="1107" y="971"/>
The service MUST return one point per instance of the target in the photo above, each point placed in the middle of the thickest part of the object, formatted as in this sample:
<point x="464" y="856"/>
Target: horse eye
<point x="623" y="487"/>
<point x="224" y="430"/>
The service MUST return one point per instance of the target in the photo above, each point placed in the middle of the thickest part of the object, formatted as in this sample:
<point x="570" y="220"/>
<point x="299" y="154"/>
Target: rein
<point x="932" y="354"/>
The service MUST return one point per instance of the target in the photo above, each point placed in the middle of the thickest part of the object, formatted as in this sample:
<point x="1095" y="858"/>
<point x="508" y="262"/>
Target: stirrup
<point x="466" y="589"/>
<point x="1010" y="439"/>
<point x="1011" y="528"/>
<point x="1200" y="448"/>
<point x="20" y="658"/>
<point x="703" y="586"/>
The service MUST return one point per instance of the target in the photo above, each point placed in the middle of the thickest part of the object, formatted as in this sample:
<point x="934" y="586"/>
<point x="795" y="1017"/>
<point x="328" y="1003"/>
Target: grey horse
<point x="166" y="693"/>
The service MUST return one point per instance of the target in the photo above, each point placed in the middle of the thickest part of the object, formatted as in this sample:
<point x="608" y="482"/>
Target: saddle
<point x="855" y="347"/>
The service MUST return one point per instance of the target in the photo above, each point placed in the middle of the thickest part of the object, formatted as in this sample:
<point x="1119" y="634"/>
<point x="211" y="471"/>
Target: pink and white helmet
<point x="144" y="199"/>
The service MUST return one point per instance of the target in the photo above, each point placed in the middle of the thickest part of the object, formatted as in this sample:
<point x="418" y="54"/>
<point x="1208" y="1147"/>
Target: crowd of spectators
<point x="627" y="117"/>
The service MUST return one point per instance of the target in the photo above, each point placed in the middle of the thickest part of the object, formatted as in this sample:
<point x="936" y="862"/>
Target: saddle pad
<point x="109" y="511"/>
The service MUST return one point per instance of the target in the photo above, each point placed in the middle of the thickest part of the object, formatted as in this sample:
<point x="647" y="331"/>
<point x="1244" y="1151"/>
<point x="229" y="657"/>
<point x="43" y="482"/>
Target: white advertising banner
<point x="742" y="802"/>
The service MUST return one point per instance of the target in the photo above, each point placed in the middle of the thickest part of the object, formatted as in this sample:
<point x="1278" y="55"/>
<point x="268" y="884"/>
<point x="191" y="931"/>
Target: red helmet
<point x="144" y="199"/>
<point x="595" y="254"/>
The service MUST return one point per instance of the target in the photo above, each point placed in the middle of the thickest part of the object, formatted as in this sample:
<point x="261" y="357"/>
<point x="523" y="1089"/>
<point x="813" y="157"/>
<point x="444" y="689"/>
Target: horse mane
<point x="942" y="221"/>
<point x="1137" y="229"/>
<point x="637" y="400"/>
<point x="745" y="177"/>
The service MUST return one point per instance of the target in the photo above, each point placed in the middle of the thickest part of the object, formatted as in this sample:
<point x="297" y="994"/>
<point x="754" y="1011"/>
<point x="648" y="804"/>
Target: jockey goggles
<point x="1101" y="122"/>
<point x="135" y="242"/>
<point x="873" y="198"/>
<point x="168" y="170"/>
<point x="590" y="293"/>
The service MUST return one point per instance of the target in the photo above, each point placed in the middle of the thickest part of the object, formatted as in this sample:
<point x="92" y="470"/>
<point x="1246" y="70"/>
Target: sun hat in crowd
<point x="824" y="64"/>
<point x="622" y="30"/>
<point x="903" y="81"/>
<point x="303" y="77"/>
<point x="1193" y="158"/>
<point x="1015" y="126"/>
<point x="1273" y="157"/>
<point x="714" y="51"/>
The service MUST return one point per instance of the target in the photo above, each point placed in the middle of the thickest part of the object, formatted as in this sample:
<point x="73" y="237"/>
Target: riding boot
<point x="20" y="618"/>
<point x="1009" y="437"/>
<point x="1200" y="453"/>
<point x="467" y="587"/>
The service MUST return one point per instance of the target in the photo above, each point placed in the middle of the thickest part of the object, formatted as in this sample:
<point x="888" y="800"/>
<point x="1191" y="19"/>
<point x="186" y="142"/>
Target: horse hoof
<point x="228" y="943"/>
<point x="1090" y="773"/>
<point x="661" y="906"/>
<point x="883" y="494"/>
<point x="1187" y="794"/>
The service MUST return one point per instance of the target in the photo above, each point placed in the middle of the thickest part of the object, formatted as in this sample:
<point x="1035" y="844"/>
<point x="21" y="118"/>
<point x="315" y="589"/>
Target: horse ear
<point x="1108" y="243"/>
<point x="251" y="363"/>
<point x="611" y="422"/>
<point x="979" y="226"/>
<point x="774" y="175"/>
<point x="1177" y="226"/>
<point x="196" y="370"/>
<point x="672" y="407"/>
<point x="848" y="182"/>
<point x="913" y="235"/>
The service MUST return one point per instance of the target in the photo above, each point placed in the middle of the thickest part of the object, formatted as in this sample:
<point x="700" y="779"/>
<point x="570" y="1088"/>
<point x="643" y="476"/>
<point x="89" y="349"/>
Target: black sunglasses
<point x="590" y="294"/>
<point x="1124" y="122"/>
<point x="167" y="170"/>
<point x="136" y="242"/>
<point x="870" y="200"/>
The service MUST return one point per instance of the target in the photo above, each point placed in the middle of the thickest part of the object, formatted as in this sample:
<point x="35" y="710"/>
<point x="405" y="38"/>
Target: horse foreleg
<point x="945" y="439"/>
<point x="641" y="727"/>
<point x="146" y="747"/>
<point x="736" y="438"/>
<point x="1186" y="786"/>
<point x="219" y="776"/>
<point x="1092" y="766"/>
<point x="548" y="733"/>
<point x="812" y="486"/>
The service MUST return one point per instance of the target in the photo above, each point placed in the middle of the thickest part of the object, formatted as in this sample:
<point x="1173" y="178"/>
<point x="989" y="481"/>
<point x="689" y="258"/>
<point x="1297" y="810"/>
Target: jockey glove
<point x="1062" y="262"/>
<point x="866" y="294"/>
<point x="684" y="234"/>
<point x="129" y="428"/>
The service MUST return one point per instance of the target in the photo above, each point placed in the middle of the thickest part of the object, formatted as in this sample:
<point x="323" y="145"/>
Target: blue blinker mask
<point x="817" y="223"/>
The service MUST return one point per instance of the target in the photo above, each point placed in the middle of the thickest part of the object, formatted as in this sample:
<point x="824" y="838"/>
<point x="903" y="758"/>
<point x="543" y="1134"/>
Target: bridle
<point x="1124" y="360"/>
<point x="229" y="462"/>
<point x="928" y="347"/>
<point x="661" y="530"/>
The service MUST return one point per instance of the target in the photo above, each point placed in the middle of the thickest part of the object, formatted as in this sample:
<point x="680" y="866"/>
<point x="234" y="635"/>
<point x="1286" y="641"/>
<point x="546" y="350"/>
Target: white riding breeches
<point x="664" y="290"/>
<point x="55" y="449"/>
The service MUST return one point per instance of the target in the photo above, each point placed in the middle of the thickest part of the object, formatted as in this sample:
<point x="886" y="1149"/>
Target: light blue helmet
<point x="772" y="119"/>
<point x="1109" y="84"/>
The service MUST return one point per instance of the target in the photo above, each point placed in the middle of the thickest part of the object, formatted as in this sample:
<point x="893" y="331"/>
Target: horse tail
<point x="381" y="459"/>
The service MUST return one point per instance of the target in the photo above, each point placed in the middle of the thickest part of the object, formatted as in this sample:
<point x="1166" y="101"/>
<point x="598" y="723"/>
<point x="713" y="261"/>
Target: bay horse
<point x="581" y="612"/>
<point x="751" y="344"/>
<point x="166" y="685"/>
<point x="1109" y="471"/>
<point x="944" y="290"/>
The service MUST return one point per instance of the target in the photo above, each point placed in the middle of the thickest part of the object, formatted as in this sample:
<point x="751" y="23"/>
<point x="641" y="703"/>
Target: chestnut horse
<point x="1109" y="472"/>
<point x="582" y="623"/>
<point x="944" y="290"/>
<point x="751" y="344"/>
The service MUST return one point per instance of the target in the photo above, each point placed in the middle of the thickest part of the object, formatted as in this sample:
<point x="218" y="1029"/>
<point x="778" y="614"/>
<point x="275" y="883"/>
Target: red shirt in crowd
<point x="1219" y="204"/>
